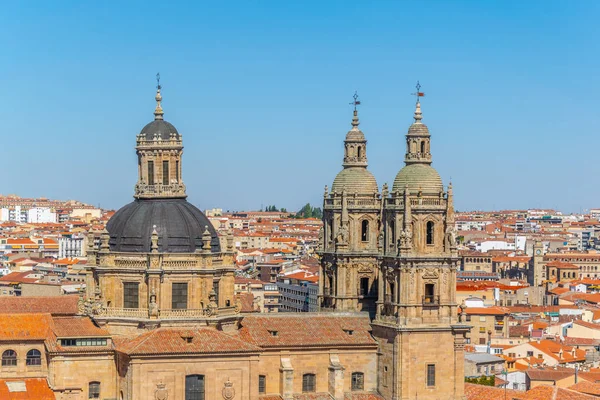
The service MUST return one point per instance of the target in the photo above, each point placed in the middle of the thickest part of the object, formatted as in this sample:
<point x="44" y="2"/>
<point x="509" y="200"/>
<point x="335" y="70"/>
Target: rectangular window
<point x="530" y="354"/>
<point x="179" y="295"/>
<point x="358" y="381"/>
<point x="364" y="286"/>
<point x="481" y="340"/>
<point x="150" y="172"/>
<point x="429" y="293"/>
<point x="430" y="374"/>
<point x="309" y="383"/>
<point x="216" y="289"/>
<point x="262" y="384"/>
<point x="131" y="295"/>
<point x="165" y="172"/>
<point x="177" y="171"/>
<point x="94" y="390"/>
<point x="482" y="329"/>
<point x="194" y="387"/>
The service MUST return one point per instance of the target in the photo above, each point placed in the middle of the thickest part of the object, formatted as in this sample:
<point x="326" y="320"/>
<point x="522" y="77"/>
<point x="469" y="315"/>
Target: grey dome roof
<point x="179" y="225"/>
<point x="355" y="180"/>
<point x="418" y="177"/>
<point x="159" y="128"/>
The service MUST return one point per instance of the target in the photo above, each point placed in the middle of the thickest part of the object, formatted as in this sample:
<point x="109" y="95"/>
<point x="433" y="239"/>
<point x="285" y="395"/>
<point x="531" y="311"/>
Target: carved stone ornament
<point x="81" y="305"/>
<point x="430" y="274"/>
<point x="161" y="392"/>
<point x="365" y="268"/>
<point x="238" y="305"/>
<point x="228" y="390"/>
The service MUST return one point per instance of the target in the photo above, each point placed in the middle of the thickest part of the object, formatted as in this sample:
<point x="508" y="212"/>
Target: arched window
<point x="9" y="358"/>
<point x="364" y="231"/>
<point x="94" y="390"/>
<point x="194" y="387"/>
<point x="34" y="357"/>
<point x="430" y="232"/>
<point x="309" y="383"/>
<point x="423" y="147"/>
<point x="358" y="381"/>
<point x="359" y="150"/>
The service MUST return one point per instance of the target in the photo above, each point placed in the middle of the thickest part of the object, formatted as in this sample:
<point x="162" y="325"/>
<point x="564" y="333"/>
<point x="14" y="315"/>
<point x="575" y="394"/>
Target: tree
<point x="309" y="212"/>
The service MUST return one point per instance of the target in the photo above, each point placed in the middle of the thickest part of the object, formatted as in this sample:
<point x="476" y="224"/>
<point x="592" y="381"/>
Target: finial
<point x="418" y="116"/>
<point x="355" y="103"/>
<point x="158" y="111"/>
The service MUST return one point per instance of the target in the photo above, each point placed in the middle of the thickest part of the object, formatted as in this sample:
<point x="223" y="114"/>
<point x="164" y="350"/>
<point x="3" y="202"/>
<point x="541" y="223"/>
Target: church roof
<point x="355" y="180"/>
<point x="418" y="177"/>
<point x="183" y="341"/>
<point x="307" y="330"/>
<point x="179" y="224"/>
<point x="159" y="129"/>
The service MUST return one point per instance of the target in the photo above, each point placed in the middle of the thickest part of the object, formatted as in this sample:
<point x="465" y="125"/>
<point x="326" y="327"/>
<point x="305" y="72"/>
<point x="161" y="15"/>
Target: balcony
<point x="431" y="300"/>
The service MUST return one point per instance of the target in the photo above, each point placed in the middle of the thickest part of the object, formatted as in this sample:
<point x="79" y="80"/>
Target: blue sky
<point x="260" y="92"/>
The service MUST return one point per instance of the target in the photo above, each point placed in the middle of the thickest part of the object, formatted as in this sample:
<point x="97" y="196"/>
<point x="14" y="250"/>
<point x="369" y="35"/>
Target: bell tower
<point x="420" y="336"/>
<point x="351" y="236"/>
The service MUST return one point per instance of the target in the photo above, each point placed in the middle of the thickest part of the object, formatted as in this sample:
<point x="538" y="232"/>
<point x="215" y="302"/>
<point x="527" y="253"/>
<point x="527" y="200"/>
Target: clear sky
<point x="260" y="92"/>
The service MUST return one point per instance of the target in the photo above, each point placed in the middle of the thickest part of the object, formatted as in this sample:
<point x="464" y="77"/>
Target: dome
<point x="355" y="135"/>
<point x="418" y="129"/>
<point x="179" y="224"/>
<point x="355" y="180"/>
<point x="159" y="128"/>
<point x="418" y="177"/>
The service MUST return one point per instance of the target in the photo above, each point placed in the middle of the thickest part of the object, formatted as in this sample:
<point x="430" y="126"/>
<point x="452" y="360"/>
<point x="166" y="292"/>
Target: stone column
<point x="336" y="377"/>
<point x="286" y="379"/>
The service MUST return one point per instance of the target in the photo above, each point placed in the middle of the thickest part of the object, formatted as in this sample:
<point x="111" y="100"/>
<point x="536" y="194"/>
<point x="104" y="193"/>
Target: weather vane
<point x="356" y="102"/>
<point x="158" y="81"/>
<point x="418" y="92"/>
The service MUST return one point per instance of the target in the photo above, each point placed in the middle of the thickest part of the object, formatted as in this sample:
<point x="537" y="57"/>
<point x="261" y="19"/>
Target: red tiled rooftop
<point x="55" y="305"/>
<point x="35" y="389"/>
<point x="174" y="341"/>
<point x="289" y="330"/>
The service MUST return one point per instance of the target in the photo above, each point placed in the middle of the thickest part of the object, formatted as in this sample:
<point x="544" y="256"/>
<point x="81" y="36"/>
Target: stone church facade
<point x="159" y="319"/>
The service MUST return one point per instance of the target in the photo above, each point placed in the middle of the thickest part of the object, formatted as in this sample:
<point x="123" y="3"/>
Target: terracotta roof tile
<point x="480" y="392"/>
<point x="25" y="327"/>
<point x="35" y="388"/>
<point x="545" y="392"/>
<point x="183" y="341"/>
<point x="55" y="305"/>
<point x="323" y="329"/>
<point x="586" y="387"/>
<point x="72" y="327"/>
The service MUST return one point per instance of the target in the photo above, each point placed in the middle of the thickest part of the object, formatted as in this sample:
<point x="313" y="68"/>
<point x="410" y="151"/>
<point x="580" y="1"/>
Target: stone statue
<point x="153" y="308"/>
<point x="321" y="244"/>
<point x="342" y="237"/>
<point x="380" y="239"/>
<point x="450" y="237"/>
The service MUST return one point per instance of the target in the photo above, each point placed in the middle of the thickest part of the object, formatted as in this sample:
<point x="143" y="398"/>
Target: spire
<point x="418" y="115"/>
<point x="418" y="94"/>
<point x="355" y="103"/>
<point x="158" y="111"/>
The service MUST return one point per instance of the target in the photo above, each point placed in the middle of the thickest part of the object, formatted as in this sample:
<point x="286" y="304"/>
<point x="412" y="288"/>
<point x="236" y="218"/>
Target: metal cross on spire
<point x="356" y="102"/>
<point x="158" y="80"/>
<point x="418" y="93"/>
